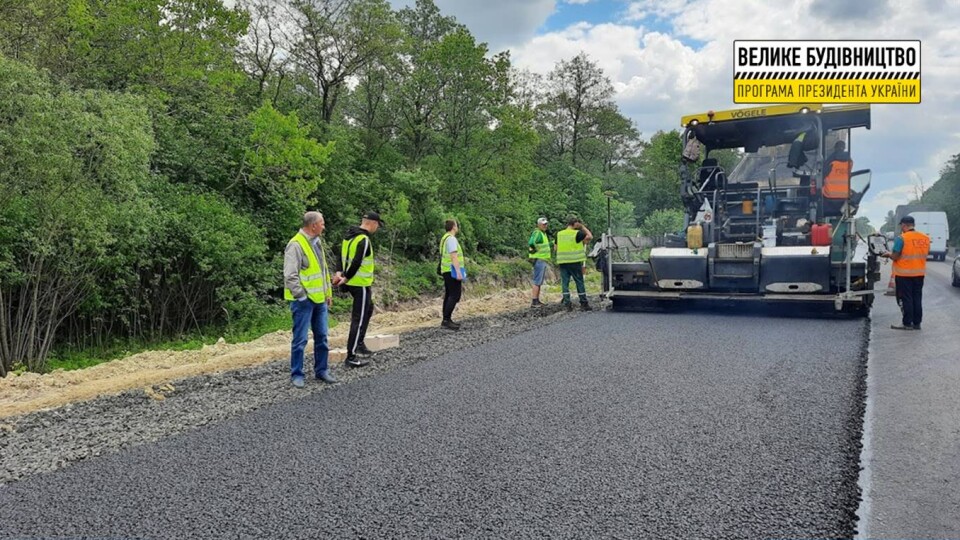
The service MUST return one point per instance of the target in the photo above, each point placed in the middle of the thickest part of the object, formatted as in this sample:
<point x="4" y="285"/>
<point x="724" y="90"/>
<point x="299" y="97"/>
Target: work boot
<point x="916" y="327"/>
<point x="536" y="303"/>
<point x="901" y="327"/>
<point x="450" y="325"/>
<point x="354" y="362"/>
<point x="585" y="307"/>
<point x="567" y="305"/>
<point x="363" y="352"/>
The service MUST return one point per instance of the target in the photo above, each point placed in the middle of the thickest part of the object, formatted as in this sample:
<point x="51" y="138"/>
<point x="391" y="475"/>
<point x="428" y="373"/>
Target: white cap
<point x="542" y="221"/>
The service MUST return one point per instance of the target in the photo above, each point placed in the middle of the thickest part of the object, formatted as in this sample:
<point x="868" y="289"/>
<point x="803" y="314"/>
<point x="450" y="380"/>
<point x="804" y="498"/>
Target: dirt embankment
<point x="31" y="392"/>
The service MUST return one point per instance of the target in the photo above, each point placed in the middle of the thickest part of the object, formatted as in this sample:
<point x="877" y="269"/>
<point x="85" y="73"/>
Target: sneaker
<point x="585" y="307"/>
<point x="536" y="303"/>
<point x="354" y="362"/>
<point x="363" y="352"/>
<point x="297" y="382"/>
<point x="326" y="377"/>
<point x="901" y="327"/>
<point x="450" y="325"/>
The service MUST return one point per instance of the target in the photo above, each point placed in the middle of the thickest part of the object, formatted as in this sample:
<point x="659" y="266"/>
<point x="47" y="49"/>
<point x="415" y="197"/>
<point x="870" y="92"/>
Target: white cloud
<point x="580" y="2"/>
<point x="667" y="58"/>
<point x="500" y="23"/>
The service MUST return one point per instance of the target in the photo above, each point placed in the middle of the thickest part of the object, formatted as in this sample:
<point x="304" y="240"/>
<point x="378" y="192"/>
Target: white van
<point x="934" y="225"/>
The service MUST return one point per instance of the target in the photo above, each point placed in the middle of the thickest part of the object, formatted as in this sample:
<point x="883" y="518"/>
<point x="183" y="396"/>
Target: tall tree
<point x="579" y="92"/>
<point x="336" y="39"/>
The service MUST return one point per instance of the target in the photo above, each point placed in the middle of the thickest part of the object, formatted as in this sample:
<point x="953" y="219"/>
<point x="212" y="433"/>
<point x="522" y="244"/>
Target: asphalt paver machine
<point x="776" y="229"/>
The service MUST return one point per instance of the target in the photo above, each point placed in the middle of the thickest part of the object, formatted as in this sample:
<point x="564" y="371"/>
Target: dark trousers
<point x="910" y="298"/>
<point x="359" y="316"/>
<point x="452" y="290"/>
<point x="575" y="271"/>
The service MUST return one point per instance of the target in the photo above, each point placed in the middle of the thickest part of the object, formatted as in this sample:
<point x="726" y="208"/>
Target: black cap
<point x="907" y="219"/>
<point x="373" y="216"/>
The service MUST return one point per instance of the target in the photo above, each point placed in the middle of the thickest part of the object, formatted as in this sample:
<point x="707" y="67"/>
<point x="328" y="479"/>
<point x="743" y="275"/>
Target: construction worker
<point x="836" y="183"/>
<point x="453" y="272"/>
<point x="356" y="277"/>
<point x="910" y="251"/>
<point x="540" y="253"/>
<point x="571" y="256"/>
<point x="308" y="289"/>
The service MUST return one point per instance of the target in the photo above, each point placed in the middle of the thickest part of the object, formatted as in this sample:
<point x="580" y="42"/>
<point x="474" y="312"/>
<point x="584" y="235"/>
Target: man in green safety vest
<point x="571" y="256"/>
<point x="356" y="276"/>
<point x="540" y="253"/>
<point x="307" y="287"/>
<point x="452" y="269"/>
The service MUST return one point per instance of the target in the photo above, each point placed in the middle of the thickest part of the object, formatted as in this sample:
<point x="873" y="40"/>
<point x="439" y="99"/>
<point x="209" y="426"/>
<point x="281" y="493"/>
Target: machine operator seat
<point x="711" y="175"/>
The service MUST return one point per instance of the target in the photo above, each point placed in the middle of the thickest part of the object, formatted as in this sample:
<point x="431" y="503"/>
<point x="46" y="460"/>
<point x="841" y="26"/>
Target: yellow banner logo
<point x="826" y="71"/>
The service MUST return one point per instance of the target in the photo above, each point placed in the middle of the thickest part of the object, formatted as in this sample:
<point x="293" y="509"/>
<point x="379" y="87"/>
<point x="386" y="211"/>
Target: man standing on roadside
<point x="308" y="289"/>
<point x="910" y="251"/>
<point x="571" y="255"/>
<point x="356" y="276"/>
<point x="540" y="251"/>
<point x="452" y="270"/>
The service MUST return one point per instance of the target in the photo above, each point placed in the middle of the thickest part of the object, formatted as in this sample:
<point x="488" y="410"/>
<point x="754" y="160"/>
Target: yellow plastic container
<point x="695" y="236"/>
<point x="747" y="206"/>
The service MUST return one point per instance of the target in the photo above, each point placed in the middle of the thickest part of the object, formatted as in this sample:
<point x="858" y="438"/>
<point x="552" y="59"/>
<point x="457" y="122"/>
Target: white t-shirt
<point x="452" y="244"/>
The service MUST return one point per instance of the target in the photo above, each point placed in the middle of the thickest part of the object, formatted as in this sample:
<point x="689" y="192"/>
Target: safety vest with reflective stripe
<point x="348" y="251"/>
<point x="568" y="249"/>
<point x="836" y="185"/>
<point x="446" y="262"/>
<point x="313" y="277"/>
<point x="913" y="258"/>
<point x="542" y="246"/>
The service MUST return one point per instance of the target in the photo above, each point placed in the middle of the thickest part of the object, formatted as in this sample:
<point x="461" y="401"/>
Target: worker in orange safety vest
<point x="909" y="256"/>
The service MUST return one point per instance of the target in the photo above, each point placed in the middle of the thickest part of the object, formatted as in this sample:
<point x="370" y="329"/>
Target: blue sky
<point x="668" y="58"/>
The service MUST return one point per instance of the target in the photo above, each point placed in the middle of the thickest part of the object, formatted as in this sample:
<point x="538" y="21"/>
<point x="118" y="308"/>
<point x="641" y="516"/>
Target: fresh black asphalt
<point x="692" y="425"/>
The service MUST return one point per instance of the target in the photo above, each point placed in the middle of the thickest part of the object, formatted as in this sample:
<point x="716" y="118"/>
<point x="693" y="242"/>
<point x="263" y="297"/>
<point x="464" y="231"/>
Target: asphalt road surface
<point x="912" y="457"/>
<point x="691" y="425"/>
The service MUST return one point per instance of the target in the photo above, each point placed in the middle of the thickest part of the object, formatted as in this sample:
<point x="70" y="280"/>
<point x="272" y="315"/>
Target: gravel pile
<point x="47" y="440"/>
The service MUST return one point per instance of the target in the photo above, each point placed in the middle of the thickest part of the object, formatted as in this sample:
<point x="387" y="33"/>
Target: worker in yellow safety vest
<point x="356" y="277"/>
<point x="910" y="251"/>
<point x="307" y="287"/>
<point x="452" y="268"/>
<point x="540" y="250"/>
<point x="571" y="256"/>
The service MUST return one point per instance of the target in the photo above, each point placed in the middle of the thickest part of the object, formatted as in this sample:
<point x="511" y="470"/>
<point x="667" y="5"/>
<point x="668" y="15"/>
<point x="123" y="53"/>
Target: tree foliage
<point x="945" y="195"/>
<point x="156" y="155"/>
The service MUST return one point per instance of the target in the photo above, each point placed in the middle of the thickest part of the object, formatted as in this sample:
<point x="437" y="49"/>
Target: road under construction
<point x="692" y="423"/>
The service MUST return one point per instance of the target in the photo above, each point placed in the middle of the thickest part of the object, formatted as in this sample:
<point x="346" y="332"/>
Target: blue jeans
<point x="308" y="314"/>
<point x="539" y="272"/>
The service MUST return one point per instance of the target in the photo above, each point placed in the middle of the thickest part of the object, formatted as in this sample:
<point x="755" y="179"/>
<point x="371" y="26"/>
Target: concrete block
<point x="337" y="356"/>
<point x="382" y="341"/>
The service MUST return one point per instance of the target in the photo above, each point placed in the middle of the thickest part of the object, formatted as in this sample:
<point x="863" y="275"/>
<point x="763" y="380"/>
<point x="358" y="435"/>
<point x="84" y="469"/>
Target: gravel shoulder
<point x="50" y="439"/>
<point x="32" y="392"/>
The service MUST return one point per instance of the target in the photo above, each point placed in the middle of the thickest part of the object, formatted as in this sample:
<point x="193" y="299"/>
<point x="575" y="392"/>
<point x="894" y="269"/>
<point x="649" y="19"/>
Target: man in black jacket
<point x="356" y="277"/>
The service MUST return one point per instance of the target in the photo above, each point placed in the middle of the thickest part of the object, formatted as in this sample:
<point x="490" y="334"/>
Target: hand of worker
<point x="329" y="302"/>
